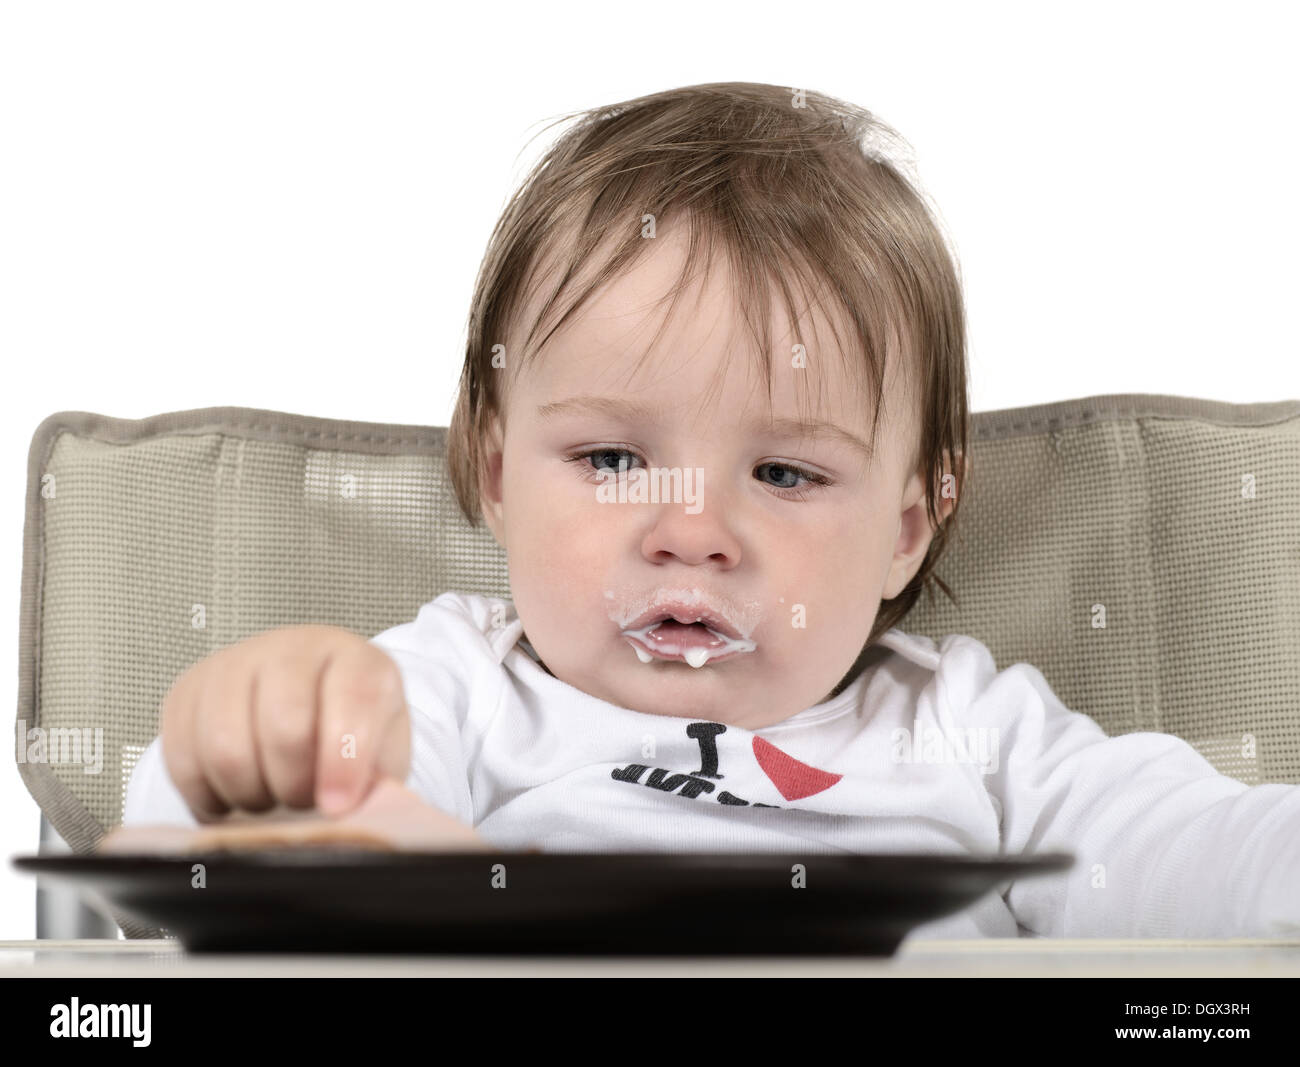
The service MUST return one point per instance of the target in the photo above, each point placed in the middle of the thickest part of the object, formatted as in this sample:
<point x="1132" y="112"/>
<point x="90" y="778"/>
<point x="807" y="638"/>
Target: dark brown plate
<point x="520" y="903"/>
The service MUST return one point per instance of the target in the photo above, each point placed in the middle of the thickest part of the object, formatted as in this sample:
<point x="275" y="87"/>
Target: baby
<point x="715" y="517"/>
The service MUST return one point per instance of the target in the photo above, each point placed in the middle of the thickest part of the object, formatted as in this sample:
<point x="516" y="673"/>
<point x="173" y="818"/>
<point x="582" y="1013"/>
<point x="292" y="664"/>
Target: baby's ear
<point x="490" y="478"/>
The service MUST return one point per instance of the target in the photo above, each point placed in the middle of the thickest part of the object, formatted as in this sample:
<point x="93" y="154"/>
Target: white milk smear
<point x="744" y="616"/>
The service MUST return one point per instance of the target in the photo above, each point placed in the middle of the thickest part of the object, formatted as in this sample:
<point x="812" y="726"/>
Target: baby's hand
<point x="290" y="716"/>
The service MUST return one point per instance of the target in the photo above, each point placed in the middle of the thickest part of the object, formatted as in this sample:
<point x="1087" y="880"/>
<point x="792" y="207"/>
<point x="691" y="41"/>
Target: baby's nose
<point x="703" y="537"/>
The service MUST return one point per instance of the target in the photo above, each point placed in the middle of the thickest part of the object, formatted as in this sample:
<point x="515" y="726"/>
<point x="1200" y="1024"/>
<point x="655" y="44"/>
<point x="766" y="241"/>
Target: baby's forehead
<point x="669" y="283"/>
<point x="627" y="334"/>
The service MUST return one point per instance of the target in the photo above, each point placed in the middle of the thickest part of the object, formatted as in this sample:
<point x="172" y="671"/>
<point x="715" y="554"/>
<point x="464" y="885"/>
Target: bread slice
<point x="390" y="818"/>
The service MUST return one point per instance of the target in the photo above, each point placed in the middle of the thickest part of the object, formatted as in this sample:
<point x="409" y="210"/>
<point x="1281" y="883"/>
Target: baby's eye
<point x="785" y="472"/>
<point x="598" y="458"/>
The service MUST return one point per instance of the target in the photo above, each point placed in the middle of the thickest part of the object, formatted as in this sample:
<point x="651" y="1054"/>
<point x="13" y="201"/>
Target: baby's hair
<point x="794" y="185"/>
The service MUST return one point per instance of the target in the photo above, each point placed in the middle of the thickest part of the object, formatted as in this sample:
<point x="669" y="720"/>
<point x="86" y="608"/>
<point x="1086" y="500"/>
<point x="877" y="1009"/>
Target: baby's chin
<point x="729" y="690"/>
<point x="677" y="690"/>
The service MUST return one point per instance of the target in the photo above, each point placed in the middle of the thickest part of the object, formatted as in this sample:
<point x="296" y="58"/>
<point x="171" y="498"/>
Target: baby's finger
<point x="223" y="734"/>
<point x="361" y="692"/>
<point x="180" y="751"/>
<point x="395" y="747"/>
<point x="284" y="719"/>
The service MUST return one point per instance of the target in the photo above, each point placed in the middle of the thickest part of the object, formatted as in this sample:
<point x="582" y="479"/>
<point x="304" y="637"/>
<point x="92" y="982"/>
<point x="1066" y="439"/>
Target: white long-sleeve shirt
<point x="930" y="749"/>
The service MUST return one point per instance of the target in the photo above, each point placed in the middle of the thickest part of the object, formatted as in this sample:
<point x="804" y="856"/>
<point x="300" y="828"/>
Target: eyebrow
<point x="634" y="411"/>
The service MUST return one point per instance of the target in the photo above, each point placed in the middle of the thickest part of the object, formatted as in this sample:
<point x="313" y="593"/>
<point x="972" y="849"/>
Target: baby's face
<point x="792" y="567"/>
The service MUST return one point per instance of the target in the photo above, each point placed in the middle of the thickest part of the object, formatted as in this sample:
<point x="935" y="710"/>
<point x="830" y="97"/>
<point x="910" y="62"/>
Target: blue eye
<point x="617" y="467"/>
<point x="611" y="462"/>
<point x="790" y="491"/>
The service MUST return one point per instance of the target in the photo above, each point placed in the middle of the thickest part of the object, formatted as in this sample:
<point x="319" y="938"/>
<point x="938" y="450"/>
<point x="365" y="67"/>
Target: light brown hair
<point x="794" y="185"/>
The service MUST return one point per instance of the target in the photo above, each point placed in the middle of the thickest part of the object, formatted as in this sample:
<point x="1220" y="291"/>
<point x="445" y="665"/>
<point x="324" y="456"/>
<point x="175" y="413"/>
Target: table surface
<point x="992" y="957"/>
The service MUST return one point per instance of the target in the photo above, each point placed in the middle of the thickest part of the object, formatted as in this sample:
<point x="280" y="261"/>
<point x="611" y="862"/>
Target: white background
<point x="283" y="205"/>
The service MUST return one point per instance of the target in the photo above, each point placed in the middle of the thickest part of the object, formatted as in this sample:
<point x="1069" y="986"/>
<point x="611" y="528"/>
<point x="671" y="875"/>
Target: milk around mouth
<point x="695" y="642"/>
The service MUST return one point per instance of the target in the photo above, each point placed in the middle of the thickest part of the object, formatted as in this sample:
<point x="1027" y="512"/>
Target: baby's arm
<point x="1165" y="846"/>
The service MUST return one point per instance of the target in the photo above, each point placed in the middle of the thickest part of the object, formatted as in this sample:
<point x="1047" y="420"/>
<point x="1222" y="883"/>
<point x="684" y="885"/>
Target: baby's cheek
<point x="574" y="540"/>
<point x="599" y="526"/>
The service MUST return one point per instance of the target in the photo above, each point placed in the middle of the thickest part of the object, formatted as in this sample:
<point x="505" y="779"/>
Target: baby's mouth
<point x="693" y="643"/>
